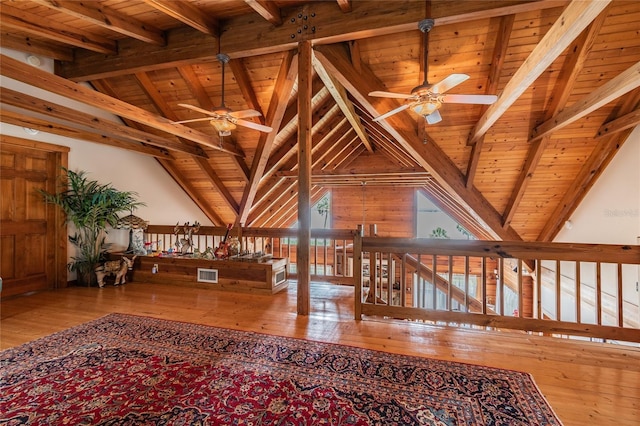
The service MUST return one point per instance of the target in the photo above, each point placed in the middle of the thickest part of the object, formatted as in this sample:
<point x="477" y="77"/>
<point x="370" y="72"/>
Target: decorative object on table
<point x="234" y="246"/>
<point x="184" y="245"/>
<point x="90" y="206"/>
<point x="136" y="227"/>
<point x="119" y="268"/>
<point x="209" y="375"/>
<point x="222" y="252"/>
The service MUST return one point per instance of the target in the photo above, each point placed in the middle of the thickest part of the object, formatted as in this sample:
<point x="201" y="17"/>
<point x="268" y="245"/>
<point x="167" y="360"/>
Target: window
<point x="434" y="223"/>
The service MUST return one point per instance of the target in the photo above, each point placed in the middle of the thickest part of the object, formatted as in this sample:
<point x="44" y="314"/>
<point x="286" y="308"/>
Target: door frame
<point x="57" y="159"/>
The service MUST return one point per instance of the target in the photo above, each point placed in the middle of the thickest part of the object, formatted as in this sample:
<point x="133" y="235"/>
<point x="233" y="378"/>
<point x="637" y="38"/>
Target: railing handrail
<point x="258" y="232"/>
<point x="377" y="249"/>
<point x="605" y="253"/>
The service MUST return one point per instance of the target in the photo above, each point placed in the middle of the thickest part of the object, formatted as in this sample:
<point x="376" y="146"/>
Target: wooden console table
<point x="268" y="277"/>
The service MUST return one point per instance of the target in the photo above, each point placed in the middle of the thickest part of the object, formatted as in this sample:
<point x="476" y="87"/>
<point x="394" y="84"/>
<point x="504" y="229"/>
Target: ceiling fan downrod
<point x="425" y="26"/>
<point x="224" y="59"/>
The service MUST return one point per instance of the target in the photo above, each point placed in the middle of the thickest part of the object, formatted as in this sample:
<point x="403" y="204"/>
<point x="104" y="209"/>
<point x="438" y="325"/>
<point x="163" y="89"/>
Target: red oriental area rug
<point x="130" y="370"/>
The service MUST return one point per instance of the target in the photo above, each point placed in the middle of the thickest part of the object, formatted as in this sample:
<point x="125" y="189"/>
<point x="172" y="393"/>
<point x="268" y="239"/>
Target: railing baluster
<point x="484" y="285"/>
<point x="466" y="283"/>
<point x="598" y="293"/>
<point x="450" y="283"/>
<point x="501" y="287"/>
<point x="434" y="277"/>
<point x="539" y="289"/>
<point x="403" y="281"/>
<point x="578" y="294"/>
<point x="558" y="290"/>
<point x="420" y="282"/>
<point x="620" y="298"/>
<point x="520" y="292"/>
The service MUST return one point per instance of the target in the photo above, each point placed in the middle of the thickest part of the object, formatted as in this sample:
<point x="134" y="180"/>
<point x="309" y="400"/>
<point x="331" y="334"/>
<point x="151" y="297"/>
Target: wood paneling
<point x="381" y="205"/>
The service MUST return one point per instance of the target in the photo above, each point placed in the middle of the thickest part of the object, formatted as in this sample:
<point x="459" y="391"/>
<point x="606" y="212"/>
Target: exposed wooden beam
<point x="341" y="173"/>
<point x="497" y="61"/>
<point x="631" y="119"/>
<point x="158" y="101"/>
<point x="239" y="71"/>
<point x="600" y="157"/>
<point x="607" y="148"/>
<point x="272" y="189"/>
<point x="218" y="184"/>
<point x="277" y="192"/>
<point x="101" y="126"/>
<point x="305" y="111"/>
<point x="345" y="5"/>
<point x="277" y="106"/>
<point x="22" y="120"/>
<point x="573" y="65"/>
<point x="37" y="47"/>
<point x="188" y="14"/>
<point x="163" y="107"/>
<point x="30" y="75"/>
<point x="171" y="169"/>
<point x="267" y="9"/>
<point x="286" y="150"/>
<point x="613" y="89"/>
<point x="21" y="20"/>
<point x="251" y="37"/>
<point x="401" y="127"/>
<point x="107" y="18"/>
<point x="191" y="80"/>
<point x="573" y="20"/>
<point x="346" y="106"/>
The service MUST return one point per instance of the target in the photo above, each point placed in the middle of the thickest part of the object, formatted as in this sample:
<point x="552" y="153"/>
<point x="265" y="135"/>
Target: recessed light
<point x="34" y="60"/>
<point x="30" y="131"/>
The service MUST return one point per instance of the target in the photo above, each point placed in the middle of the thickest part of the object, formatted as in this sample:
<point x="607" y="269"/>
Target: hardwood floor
<point x="586" y="383"/>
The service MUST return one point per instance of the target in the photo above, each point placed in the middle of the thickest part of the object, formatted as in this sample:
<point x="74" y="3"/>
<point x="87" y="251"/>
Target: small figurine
<point x="118" y="268"/>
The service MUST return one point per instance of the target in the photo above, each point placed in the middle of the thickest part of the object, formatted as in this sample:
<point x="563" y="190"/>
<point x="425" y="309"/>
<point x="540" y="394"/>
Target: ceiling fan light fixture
<point x="223" y="127"/>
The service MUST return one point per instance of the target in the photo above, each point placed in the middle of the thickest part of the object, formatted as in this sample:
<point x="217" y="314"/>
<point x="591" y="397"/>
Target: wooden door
<point x="32" y="234"/>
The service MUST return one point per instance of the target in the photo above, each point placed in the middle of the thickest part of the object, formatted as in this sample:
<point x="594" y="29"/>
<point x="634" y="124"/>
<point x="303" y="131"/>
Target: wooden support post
<point x="304" y="177"/>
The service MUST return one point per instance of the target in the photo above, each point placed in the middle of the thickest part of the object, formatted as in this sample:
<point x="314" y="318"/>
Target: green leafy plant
<point x="323" y="209"/>
<point x="439" y="233"/>
<point x="90" y="206"/>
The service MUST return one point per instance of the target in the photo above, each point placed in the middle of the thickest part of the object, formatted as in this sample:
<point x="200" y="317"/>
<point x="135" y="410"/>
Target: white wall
<point x="166" y="203"/>
<point x="610" y="213"/>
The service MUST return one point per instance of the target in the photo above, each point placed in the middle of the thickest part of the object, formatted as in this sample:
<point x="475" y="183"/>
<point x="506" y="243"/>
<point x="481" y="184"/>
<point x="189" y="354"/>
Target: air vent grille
<point x="207" y="275"/>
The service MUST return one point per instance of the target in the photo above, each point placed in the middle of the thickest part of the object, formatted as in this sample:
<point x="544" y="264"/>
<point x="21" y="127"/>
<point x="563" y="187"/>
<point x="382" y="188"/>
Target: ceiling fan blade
<point x="247" y="113"/>
<point x="381" y="94"/>
<point x="393" y="111"/>
<point x="193" y="120"/>
<point x="254" y="126"/>
<point x="434" y="117"/>
<point x="469" y="99"/>
<point x="195" y="108"/>
<point x="449" y="83"/>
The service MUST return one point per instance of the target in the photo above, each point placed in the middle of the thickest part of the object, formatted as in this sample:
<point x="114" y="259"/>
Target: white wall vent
<point x="207" y="275"/>
<point x="281" y="276"/>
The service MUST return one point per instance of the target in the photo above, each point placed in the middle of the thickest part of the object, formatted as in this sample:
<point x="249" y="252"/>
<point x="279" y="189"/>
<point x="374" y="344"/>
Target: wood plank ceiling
<point x="566" y="73"/>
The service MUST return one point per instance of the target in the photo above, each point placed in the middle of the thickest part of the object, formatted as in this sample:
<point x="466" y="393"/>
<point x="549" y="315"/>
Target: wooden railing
<point x="506" y="285"/>
<point x="495" y="284"/>
<point x="331" y="249"/>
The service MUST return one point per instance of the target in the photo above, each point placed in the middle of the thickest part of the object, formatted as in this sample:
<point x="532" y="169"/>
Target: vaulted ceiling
<point x="566" y="75"/>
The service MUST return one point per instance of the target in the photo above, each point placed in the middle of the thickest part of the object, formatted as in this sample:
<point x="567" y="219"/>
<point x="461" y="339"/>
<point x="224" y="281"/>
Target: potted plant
<point x="90" y="206"/>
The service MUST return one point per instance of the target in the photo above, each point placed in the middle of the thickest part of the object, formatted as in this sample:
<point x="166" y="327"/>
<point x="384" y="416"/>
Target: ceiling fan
<point x="223" y="119"/>
<point x="426" y="98"/>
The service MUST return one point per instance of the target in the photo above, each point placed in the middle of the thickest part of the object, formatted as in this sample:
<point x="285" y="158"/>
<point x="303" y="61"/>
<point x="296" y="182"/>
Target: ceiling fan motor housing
<point x="426" y="25"/>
